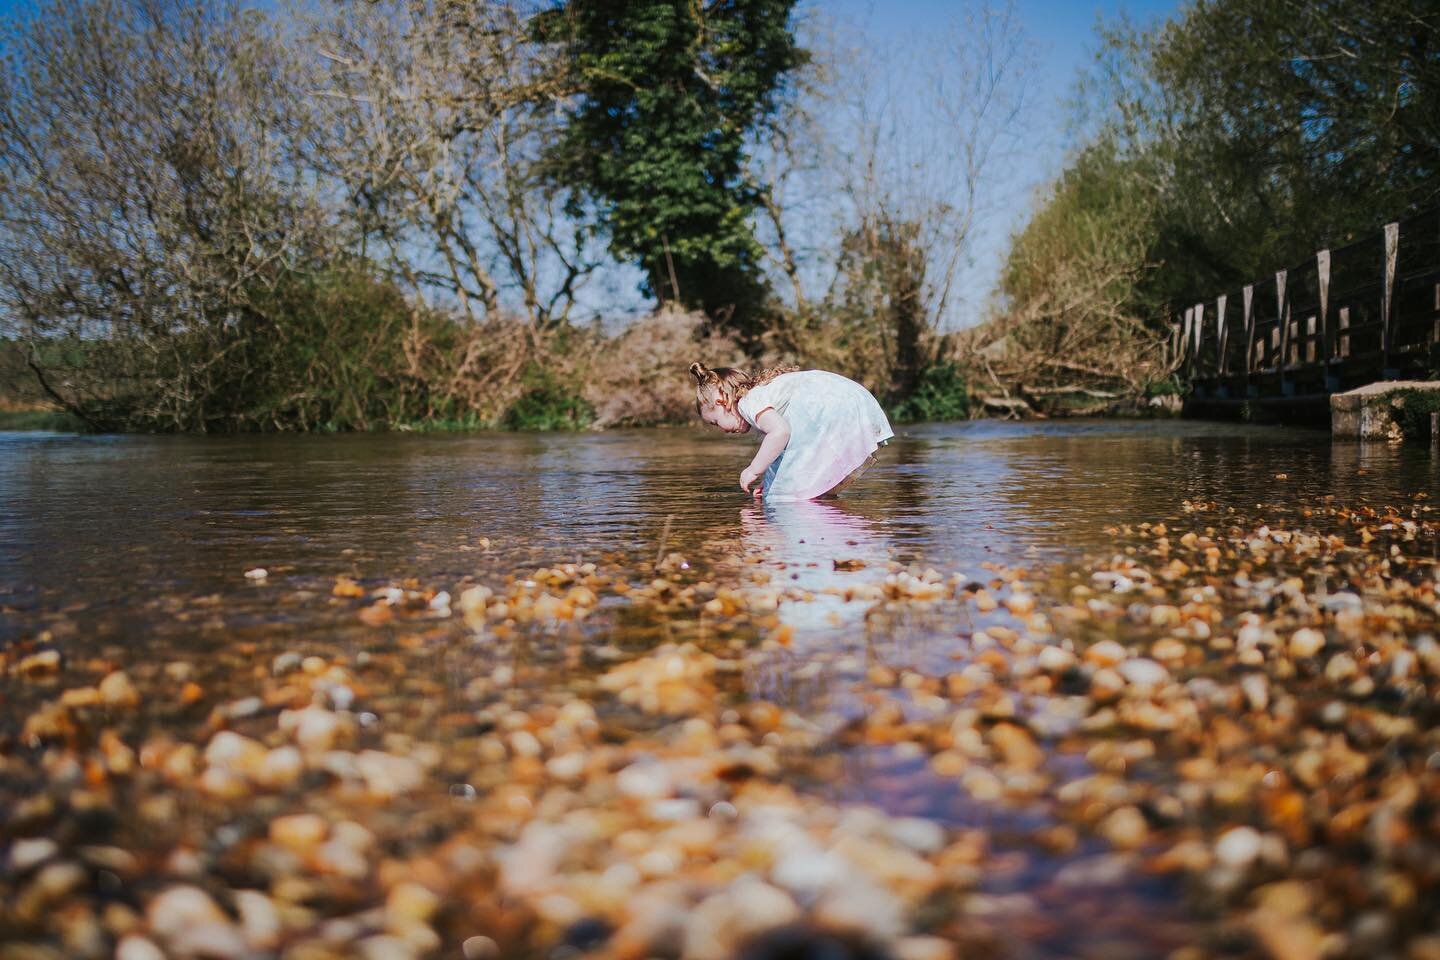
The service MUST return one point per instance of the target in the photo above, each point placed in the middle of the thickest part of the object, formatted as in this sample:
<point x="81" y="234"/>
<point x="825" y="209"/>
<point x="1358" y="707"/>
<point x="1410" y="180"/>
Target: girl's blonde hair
<point x="730" y="383"/>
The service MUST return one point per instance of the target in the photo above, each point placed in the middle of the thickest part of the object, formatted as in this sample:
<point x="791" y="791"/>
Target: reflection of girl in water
<point x="820" y="428"/>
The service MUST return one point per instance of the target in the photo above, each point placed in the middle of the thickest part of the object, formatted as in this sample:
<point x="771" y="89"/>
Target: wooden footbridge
<point x="1351" y="316"/>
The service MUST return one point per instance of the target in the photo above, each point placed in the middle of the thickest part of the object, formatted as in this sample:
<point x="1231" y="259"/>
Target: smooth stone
<point x="723" y="920"/>
<point x="385" y="947"/>
<point x="300" y="833"/>
<point x="116" y="690"/>
<point x="645" y="780"/>
<point x="136" y="947"/>
<point x="314" y="728"/>
<point x="181" y="908"/>
<point x="1238" y="847"/>
<point x="259" y="919"/>
<point x="1106" y="653"/>
<point x="281" y="767"/>
<point x="1256" y="689"/>
<point x="31" y="852"/>
<point x="1055" y="659"/>
<point x="408" y="904"/>
<point x="916" y="833"/>
<point x="1306" y="642"/>
<point x="480" y="948"/>
<point x="1143" y="672"/>
<point x="1126" y="828"/>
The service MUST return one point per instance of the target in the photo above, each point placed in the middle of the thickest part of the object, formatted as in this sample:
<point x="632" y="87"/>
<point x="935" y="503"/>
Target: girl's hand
<point x="748" y="478"/>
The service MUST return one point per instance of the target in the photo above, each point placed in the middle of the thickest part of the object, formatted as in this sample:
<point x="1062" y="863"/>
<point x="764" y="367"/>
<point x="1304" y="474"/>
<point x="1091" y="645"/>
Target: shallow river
<point x="133" y="551"/>
<point x="99" y="523"/>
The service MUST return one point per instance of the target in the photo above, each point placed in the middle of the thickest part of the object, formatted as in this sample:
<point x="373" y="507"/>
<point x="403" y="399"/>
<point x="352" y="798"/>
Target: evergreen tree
<point x="669" y="93"/>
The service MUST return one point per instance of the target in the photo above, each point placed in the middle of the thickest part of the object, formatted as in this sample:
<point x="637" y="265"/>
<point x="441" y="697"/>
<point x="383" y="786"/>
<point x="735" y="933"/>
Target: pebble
<point x="135" y="947"/>
<point x="1126" y="828"/>
<point x="1306" y="642"/>
<point x="480" y="948"/>
<point x="1256" y="689"/>
<point x="39" y="663"/>
<point x="924" y="948"/>
<point x="645" y="780"/>
<point x="284" y="663"/>
<point x="726" y="919"/>
<point x="409" y="903"/>
<point x="387" y="775"/>
<point x="29" y="852"/>
<point x="179" y="909"/>
<point x="116" y="690"/>
<point x="279" y="768"/>
<point x="694" y="809"/>
<point x="1238" y="847"/>
<point x="1340" y="667"/>
<point x="915" y="833"/>
<point x="1143" y="672"/>
<point x="1106" y="653"/>
<point x="300" y="833"/>
<point x="260" y="922"/>
<point x="1016" y="747"/>
<point x="1055" y="659"/>
<point x="385" y="947"/>
<point x="1169" y="649"/>
<point x="314" y="728"/>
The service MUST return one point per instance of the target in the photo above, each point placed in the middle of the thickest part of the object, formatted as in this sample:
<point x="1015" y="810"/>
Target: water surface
<point x="136" y="548"/>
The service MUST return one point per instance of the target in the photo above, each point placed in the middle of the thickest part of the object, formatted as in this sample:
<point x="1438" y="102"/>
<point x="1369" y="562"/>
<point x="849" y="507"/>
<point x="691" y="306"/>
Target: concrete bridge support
<point x="1375" y="411"/>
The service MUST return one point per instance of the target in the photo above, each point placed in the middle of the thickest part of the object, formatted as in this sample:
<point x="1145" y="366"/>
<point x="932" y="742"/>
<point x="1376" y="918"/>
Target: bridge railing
<point x="1367" y="311"/>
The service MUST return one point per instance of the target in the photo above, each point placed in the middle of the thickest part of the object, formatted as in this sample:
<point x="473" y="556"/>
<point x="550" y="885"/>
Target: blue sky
<point x="1063" y="34"/>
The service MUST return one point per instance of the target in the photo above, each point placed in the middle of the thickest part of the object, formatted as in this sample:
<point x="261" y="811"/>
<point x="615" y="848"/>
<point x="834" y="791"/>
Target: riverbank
<point x="52" y="420"/>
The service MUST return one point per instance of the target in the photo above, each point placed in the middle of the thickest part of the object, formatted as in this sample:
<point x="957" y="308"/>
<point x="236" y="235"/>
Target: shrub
<point x="1411" y="411"/>
<point x="547" y="404"/>
<point x="638" y="378"/>
<point x="939" y="394"/>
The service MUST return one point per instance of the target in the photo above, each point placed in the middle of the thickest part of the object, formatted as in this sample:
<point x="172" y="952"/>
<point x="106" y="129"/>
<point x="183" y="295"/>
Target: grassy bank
<point x="54" y="420"/>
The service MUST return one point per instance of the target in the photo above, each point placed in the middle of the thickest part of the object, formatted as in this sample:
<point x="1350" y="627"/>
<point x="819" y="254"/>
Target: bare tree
<point x="909" y="173"/>
<point x="152" y="199"/>
<point x="439" y="113"/>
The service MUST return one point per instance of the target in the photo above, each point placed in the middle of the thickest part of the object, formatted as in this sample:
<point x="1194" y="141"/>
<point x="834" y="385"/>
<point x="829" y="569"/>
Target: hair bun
<point x="698" y="371"/>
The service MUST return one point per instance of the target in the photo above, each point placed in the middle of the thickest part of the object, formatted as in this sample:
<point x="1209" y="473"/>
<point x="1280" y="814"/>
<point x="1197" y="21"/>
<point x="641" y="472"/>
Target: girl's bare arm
<point x="777" y="435"/>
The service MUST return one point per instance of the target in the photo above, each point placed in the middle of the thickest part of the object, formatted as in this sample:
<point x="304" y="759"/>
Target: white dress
<point x="835" y="424"/>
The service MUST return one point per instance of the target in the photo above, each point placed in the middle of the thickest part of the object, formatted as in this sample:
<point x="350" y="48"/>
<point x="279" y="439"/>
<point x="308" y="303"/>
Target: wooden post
<point x="1198" y="311"/>
<point x="1185" y="338"/>
<point x="1387" y="302"/>
<point x="1248" y="298"/>
<point x="1281" y="312"/>
<point x="1222" y="335"/>
<point x="1322" y="269"/>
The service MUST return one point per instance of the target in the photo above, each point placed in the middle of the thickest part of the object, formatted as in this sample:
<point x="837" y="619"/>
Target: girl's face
<point x="717" y="414"/>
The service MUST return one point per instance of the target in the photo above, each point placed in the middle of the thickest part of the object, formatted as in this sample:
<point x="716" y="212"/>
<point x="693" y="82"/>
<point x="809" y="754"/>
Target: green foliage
<point x="1411" y="410"/>
<point x="670" y="92"/>
<point x="939" y="394"/>
<point x="1238" y="138"/>
<point x="1169" y="387"/>
<point x="54" y="420"/>
<point x="548" y="404"/>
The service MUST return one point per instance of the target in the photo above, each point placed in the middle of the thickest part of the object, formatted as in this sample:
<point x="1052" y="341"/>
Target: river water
<point x="134" y="550"/>
<point x="93" y="525"/>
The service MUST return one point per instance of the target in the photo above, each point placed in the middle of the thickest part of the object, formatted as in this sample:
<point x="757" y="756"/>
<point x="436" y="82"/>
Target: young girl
<point x="820" y="428"/>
